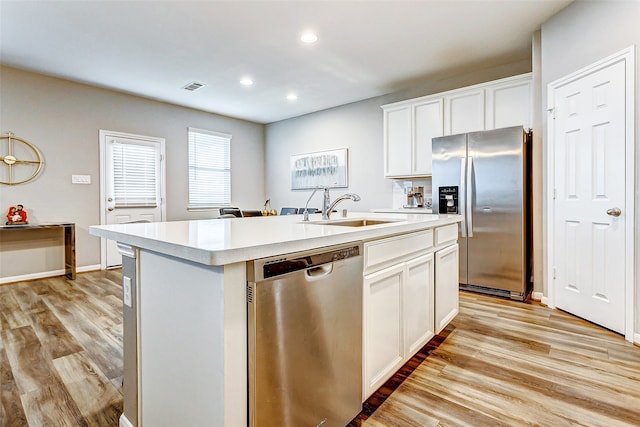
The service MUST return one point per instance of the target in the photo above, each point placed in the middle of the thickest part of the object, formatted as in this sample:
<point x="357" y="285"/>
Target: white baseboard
<point x="124" y="422"/>
<point x="636" y="339"/>
<point x="44" y="274"/>
<point x="86" y="268"/>
<point x="544" y="300"/>
<point x="537" y="296"/>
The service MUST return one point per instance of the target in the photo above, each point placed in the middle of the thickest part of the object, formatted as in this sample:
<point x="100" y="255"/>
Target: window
<point x="209" y="169"/>
<point x="135" y="173"/>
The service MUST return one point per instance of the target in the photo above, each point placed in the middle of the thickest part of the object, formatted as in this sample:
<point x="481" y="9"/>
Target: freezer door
<point x="449" y="154"/>
<point x="496" y="250"/>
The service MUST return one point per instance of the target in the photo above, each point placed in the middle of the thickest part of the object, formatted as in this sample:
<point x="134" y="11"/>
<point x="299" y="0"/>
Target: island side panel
<point x="187" y="343"/>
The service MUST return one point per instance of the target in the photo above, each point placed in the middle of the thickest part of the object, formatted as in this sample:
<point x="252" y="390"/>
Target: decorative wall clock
<point x="20" y="160"/>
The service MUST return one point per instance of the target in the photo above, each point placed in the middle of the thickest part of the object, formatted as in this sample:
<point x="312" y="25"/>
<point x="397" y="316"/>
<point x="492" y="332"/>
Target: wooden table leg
<point x="70" y="251"/>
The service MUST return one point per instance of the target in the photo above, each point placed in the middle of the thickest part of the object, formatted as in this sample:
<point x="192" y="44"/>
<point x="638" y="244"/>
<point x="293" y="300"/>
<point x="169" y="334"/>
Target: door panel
<point x="496" y="243"/>
<point x="427" y="124"/>
<point x="448" y="155"/>
<point x="589" y="180"/>
<point x="133" y="192"/>
<point x="464" y="112"/>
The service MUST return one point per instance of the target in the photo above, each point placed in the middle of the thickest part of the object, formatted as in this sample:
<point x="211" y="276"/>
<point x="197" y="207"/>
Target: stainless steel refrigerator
<point x="485" y="177"/>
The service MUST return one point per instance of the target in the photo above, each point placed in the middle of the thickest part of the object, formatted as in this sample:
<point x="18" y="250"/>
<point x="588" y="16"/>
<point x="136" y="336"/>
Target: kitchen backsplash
<point x="399" y="196"/>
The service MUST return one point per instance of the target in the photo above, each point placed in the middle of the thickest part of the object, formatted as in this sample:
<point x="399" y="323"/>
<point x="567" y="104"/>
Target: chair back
<point x="251" y="213"/>
<point x="233" y="211"/>
<point x="288" y="211"/>
<point x="310" y="210"/>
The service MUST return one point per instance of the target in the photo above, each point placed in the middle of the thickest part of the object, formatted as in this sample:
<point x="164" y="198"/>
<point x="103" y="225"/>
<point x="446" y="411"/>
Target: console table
<point x="69" y="242"/>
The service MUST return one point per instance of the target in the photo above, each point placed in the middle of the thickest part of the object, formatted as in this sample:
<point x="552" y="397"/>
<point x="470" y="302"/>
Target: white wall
<point x="63" y="120"/>
<point x="358" y="127"/>
<point x="579" y="35"/>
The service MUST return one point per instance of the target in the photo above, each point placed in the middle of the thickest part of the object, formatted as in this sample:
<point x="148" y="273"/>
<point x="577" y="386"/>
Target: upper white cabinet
<point x="509" y="103"/>
<point x="464" y="111"/>
<point x="408" y="129"/>
<point x="397" y="136"/>
<point x="427" y="124"/>
<point x="409" y="126"/>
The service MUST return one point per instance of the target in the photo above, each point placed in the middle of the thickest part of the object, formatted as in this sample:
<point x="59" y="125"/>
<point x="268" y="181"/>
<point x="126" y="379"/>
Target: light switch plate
<point x="81" y="179"/>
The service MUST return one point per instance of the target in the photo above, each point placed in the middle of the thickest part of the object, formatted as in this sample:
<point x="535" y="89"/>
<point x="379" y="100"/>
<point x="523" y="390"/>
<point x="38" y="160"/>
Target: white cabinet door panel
<point x="383" y="342"/>
<point x="464" y="112"/>
<point x="397" y="136"/>
<point x="427" y="124"/>
<point x="418" y="303"/>
<point x="446" y="286"/>
<point x="509" y="104"/>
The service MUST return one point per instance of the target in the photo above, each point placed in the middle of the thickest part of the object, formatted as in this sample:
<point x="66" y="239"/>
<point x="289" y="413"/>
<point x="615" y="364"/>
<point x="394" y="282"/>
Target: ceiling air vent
<point x="193" y="86"/>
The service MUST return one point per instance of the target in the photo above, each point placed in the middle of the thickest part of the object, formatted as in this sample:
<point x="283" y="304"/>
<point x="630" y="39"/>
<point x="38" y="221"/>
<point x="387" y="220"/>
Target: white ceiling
<point x="365" y="48"/>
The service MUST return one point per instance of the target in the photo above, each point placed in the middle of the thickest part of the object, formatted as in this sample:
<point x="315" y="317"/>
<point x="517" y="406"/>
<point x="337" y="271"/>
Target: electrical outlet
<point x="126" y="282"/>
<point x="81" y="179"/>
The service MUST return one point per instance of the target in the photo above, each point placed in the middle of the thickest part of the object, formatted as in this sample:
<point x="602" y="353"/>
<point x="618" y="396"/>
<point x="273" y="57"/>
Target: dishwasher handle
<point x="320" y="272"/>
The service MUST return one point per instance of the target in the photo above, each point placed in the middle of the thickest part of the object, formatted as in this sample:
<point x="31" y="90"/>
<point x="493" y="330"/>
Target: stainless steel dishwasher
<point x="305" y="338"/>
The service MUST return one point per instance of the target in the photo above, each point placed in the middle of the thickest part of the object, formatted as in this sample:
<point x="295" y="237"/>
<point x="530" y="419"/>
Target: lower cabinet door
<point x="446" y="286"/>
<point x="418" y="303"/>
<point x="383" y="323"/>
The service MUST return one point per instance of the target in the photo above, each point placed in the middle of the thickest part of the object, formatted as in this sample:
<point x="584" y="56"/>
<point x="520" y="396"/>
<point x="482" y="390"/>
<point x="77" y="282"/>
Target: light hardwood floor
<point x="500" y="363"/>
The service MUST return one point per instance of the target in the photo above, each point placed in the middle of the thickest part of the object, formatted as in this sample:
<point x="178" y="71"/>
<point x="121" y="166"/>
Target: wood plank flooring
<point x="505" y="363"/>
<point x="499" y="363"/>
<point x="61" y="351"/>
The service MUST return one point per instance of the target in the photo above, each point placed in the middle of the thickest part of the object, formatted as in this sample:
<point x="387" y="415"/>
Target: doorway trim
<point x="104" y="134"/>
<point x="628" y="57"/>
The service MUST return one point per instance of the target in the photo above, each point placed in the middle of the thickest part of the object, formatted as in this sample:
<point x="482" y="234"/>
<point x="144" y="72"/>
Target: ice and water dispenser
<point x="448" y="200"/>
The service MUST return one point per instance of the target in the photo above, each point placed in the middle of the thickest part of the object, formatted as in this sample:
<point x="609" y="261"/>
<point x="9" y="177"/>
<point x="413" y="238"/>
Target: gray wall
<point x="581" y="34"/>
<point x="358" y="127"/>
<point x="63" y="120"/>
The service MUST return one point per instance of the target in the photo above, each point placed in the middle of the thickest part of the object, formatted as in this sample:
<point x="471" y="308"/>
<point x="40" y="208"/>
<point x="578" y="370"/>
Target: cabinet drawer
<point x="385" y="252"/>
<point x="446" y="234"/>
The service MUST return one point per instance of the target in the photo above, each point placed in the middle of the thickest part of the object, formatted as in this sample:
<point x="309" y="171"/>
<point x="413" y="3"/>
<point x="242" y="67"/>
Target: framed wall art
<point x="322" y="169"/>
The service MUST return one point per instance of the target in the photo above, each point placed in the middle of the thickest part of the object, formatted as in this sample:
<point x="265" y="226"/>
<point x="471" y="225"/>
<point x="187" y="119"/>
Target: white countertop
<point x="229" y="240"/>
<point x="403" y="210"/>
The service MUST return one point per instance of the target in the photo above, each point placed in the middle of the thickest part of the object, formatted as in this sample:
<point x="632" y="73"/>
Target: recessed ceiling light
<point x="309" y="37"/>
<point x="292" y="97"/>
<point x="246" y="81"/>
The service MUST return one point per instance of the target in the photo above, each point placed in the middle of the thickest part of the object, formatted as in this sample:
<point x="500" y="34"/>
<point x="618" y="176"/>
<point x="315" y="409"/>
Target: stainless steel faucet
<point x="327" y="206"/>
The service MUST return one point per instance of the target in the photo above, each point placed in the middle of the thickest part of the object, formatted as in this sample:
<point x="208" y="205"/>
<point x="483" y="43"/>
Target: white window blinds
<point x="209" y="169"/>
<point x="135" y="174"/>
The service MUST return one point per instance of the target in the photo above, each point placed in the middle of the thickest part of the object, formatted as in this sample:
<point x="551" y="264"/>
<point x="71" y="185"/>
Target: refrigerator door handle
<point x="469" y="197"/>
<point x="463" y="187"/>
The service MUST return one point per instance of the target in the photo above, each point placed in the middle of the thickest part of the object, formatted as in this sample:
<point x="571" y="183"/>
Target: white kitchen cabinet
<point x="408" y="130"/>
<point x="410" y="126"/>
<point x="508" y="103"/>
<point x="397" y="304"/>
<point x="418" y="303"/>
<point x="383" y="343"/>
<point x="397" y="140"/>
<point x="446" y="286"/>
<point x="464" y="111"/>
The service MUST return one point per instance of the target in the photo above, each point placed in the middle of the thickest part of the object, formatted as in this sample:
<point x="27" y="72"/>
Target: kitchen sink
<point x="352" y="222"/>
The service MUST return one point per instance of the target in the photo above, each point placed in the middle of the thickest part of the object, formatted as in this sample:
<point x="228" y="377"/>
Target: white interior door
<point x="591" y="220"/>
<point x="132" y="184"/>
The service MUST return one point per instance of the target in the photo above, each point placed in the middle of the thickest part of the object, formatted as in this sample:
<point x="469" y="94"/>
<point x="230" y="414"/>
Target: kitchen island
<point x="185" y="307"/>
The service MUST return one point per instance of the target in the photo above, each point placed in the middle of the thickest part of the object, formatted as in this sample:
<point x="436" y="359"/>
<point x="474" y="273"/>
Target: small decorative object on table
<point x="267" y="211"/>
<point x="17" y="215"/>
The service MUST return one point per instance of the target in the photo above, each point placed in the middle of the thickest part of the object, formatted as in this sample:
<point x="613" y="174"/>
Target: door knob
<point x="614" y="212"/>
